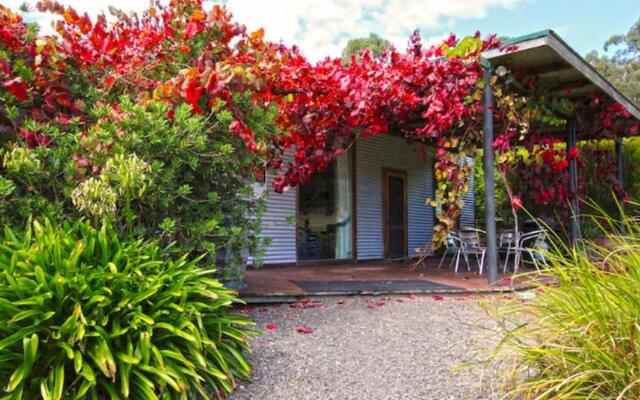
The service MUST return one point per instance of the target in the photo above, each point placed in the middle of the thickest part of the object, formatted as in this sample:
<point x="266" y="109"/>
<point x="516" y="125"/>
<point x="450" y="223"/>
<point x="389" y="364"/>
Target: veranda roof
<point x="542" y="60"/>
<point x="552" y="64"/>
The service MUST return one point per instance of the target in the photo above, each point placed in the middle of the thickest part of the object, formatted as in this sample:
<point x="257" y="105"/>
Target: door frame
<point x="386" y="173"/>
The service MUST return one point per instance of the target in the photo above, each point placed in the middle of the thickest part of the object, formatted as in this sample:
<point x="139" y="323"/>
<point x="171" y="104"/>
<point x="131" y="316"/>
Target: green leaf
<point x="58" y="383"/>
<point x="19" y="335"/>
<point x="126" y="358"/>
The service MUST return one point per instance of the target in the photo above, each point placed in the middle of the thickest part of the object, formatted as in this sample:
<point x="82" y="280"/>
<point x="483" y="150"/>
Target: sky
<point x="323" y="27"/>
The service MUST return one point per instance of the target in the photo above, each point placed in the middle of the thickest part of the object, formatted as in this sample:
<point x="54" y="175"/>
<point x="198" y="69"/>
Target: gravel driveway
<point x="369" y="348"/>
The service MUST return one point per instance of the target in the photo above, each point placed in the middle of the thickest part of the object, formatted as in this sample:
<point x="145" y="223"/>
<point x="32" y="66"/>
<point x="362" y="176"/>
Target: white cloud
<point x="323" y="27"/>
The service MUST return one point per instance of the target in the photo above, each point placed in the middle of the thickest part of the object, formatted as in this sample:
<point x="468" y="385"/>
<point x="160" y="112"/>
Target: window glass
<point x="324" y="218"/>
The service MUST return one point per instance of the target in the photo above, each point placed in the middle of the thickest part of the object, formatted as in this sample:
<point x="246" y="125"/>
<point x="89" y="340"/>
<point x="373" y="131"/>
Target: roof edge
<point x="551" y="39"/>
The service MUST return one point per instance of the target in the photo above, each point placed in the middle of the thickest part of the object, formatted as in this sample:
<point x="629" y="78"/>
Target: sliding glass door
<point x="324" y="220"/>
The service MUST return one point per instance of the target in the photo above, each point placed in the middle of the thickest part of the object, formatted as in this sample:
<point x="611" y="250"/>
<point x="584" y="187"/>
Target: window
<point x="324" y="220"/>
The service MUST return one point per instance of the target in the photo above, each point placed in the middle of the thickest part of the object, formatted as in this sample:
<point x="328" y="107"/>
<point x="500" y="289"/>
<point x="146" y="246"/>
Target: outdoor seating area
<point x="469" y="245"/>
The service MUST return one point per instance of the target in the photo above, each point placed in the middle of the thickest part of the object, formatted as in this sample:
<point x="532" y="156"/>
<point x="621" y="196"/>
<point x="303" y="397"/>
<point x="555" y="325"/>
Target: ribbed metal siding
<point x="372" y="156"/>
<point x="468" y="214"/>
<point x="280" y="211"/>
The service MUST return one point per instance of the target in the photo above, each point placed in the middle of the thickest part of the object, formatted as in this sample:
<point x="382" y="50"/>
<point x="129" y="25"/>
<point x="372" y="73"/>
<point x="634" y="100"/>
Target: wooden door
<point x="395" y="213"/>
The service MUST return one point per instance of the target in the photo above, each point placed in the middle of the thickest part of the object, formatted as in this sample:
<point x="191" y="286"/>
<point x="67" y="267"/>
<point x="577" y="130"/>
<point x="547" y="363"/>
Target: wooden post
<point x="491" y="259"/>
<point x="574" y="227"/>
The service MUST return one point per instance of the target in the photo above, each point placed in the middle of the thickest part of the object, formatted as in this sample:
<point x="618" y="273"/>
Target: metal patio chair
<point x="535" y="245"/>
<point x="470" y="245"/>
<point x="507" y="244"/>
<point x="453" y="245"/>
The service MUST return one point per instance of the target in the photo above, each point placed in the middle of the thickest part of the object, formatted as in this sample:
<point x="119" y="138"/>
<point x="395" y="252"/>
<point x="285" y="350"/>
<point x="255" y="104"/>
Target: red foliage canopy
<point x="183" y="53"/>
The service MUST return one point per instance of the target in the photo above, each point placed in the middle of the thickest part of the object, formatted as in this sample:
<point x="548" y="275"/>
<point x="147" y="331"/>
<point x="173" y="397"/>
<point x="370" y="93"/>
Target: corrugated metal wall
<point x="372" y="155"/>
<point x="276" y="224"/>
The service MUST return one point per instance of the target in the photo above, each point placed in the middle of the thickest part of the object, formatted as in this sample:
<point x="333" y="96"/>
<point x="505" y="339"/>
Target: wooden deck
<point x="277" y="283"/>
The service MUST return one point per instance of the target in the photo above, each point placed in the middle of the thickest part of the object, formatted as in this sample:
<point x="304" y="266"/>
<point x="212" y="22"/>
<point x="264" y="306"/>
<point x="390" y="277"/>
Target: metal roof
<point x="551" y="63"/>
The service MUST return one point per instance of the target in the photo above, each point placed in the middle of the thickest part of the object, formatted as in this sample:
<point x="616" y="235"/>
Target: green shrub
<point x="86" y="315"/>
<point x="177" y="177"/>
<point x="579" y="339"/>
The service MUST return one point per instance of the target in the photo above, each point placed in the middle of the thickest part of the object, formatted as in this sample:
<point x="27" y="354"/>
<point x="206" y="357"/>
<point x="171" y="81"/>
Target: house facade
<point x="368" y="205"/>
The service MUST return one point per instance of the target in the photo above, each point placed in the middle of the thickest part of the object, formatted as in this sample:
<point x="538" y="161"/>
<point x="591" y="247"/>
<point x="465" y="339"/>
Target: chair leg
<point x="466" y="260"/>
<point x="516" y="265"/>
<point x="446" y="251"/>
<point x="544" y="261"/>
<point x="482" y="261"/>
<point x="457" y="261"/>
<point x="479" y="261"/>
<point x="506" y="260"/>
<point x="535" y="263"/>
<point x="455" y="255"/>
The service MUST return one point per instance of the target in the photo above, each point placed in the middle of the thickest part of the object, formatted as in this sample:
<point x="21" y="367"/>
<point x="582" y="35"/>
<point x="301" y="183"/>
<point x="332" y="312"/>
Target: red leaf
<point x="573" y="153"/>
<point x="308" y="303"/>
<point x="516" y="202"/>
<point x="246" y="309"/>
<point x="304" y="329"/>
<point x="271" y="327"/>
<point x="560" y="165"/>
<point x="17" y="88"/>
<point x="340" y="302"/>
<point x="437" y="297"/>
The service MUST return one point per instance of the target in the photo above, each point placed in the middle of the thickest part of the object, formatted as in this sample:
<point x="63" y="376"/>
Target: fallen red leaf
<point x="304" y="329"/>
<point x="308" y="303"/>
<point x="340" y="302"/>
<point x="271" y="327"/>
<point x="400" y="300"/>
<point x="246" y="309"/>
<point x="437" y="297"/>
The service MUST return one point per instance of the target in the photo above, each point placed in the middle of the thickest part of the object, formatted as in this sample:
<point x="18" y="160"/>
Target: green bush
<point x="177" y="177"/>
<point x="86" y="315"/>
<point x="579" y="339"/>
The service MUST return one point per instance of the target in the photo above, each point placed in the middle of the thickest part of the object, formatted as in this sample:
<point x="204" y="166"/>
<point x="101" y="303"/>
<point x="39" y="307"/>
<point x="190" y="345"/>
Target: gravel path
<point x="369" y="348"/>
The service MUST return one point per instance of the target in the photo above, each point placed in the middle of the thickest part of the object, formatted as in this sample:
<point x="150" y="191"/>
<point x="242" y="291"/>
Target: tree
<point x="622" y="67"/>
<point x="374" y="43"/>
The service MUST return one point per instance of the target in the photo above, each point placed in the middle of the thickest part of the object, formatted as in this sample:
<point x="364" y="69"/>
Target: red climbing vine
<point x="181" y="52"/>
